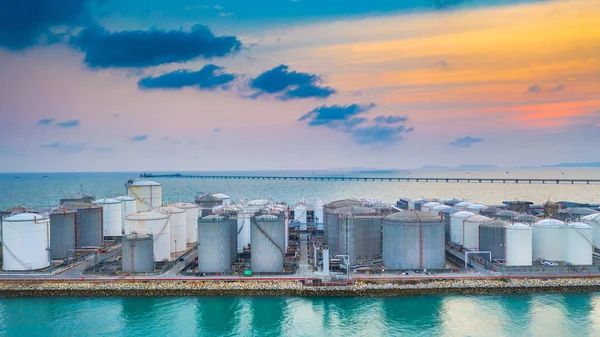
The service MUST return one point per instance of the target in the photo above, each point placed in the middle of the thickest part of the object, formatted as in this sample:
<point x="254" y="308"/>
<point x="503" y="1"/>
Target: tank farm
<point x="136" y="245"/>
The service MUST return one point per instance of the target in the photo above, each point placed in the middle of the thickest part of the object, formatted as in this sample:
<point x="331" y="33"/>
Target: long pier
<point x="380" y="179"/>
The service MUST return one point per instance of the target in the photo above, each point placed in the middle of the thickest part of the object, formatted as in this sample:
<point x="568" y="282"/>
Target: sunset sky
<point x="123" y="85"/>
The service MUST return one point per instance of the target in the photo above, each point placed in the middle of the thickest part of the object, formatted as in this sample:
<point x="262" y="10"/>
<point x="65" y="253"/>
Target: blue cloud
<point x="379" y="134"/>
<point x="46" y="121"/>
<point x="390" y="119"/>
<point x="336" y="115"/>
<point x="67" y="148"/>
<point x="216" y="130"/>
<point x="290" y="84"/>
<point x="534" y="88"/>
<point x="466" y="141"/>
<point x="559" y="87"/>
<point x="140" y="138"/>
<point x="69" y="124"/>
<point x="145" y="48"/>
<point x="23" y="23"/>
<point x="208" y="78"/>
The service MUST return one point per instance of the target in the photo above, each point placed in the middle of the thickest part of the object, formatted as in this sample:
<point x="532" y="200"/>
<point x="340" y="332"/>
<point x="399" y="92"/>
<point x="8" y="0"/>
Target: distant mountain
<point x="593" y="164"/>
<point x="435" y="167"/>
<point x="475" y="167"/>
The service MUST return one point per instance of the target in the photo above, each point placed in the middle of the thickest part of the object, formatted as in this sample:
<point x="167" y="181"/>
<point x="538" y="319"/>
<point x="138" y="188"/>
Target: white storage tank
<point x="476" y="208"/>
<point x="191" y="220"/>
<point x="300" y="213"/>
<point x="156" y="223"/>
<point x="471" y="230"/>
<point x="148" y="194"/>
<point x="550" y="240"/>
<point x="178" y="226"/>
<point x="25" y="240"/>
<point x="456" y="226"/>
<point x="412" y="202"/>
<point x="128" y="206"/>
<point x="463" y="205"/>
<point x="243" y="229"/>
<point x="580" y="244"/>
<point x="138" y="253"/>
<point x="224" y="197"/>
<point x="519" y="241"/>
<point x="436" y="209"/>
<point x="594" y="221"/>
<point x="428" y="206"/>
<point x="111" y="217"/>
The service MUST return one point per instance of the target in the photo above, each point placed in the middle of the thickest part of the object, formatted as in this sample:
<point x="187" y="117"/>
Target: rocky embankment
<point x="292" y="288"/>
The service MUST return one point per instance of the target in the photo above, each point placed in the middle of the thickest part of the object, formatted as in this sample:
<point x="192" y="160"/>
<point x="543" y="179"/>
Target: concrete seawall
<point x="122" y="288"/>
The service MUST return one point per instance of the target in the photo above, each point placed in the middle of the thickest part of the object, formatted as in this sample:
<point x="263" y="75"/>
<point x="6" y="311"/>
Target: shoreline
<point x="360" y="288"/>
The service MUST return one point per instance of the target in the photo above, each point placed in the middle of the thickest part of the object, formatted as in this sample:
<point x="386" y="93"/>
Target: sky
<point x="124" y="85"/>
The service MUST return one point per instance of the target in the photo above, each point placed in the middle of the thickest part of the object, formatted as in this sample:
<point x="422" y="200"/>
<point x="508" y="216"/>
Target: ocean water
<point x="452" y="315"/>
<point x="33" y="190"/>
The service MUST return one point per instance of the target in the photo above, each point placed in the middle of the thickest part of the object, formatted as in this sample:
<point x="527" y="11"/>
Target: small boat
<point x="17" y="177"/>
<point x="44" y="176"/>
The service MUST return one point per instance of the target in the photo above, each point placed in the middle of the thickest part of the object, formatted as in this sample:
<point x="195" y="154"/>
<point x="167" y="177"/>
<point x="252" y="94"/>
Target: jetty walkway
<point x="380" y="179"/>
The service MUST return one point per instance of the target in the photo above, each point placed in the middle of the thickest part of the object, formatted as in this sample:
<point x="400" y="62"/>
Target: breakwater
<point x="123" y="288"/>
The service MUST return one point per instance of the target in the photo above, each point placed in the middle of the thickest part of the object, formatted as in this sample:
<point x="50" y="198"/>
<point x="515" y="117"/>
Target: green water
<point x="515" y="315"/>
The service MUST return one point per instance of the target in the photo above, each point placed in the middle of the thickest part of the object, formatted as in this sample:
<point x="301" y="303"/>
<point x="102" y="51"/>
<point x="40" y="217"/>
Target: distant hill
<point x="475" y="167"/>
<point x="593" y="164"/>
<point x="435" y="167"/>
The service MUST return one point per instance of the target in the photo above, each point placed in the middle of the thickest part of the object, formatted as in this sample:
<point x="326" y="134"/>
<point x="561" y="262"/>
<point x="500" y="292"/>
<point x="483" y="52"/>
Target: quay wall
<point x="159" y="288"/>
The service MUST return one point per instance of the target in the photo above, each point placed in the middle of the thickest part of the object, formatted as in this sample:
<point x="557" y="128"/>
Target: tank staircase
<point x="380" y="179"/>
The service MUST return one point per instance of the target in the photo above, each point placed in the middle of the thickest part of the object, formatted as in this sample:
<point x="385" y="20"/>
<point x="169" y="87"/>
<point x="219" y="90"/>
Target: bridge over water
<point x="380" y="179"/>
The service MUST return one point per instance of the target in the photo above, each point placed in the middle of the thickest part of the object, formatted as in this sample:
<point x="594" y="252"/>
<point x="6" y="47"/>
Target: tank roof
<point x="519" y="225"/>
<point x="25" y="217"/>
<point x="125" y="198"/>
<point x="477" y="206"/>
<point x="477" y="218"/>
<point x="144" y="182"/>
<point x="578" y="211"/>
<point x="62" y="210"/>
<point x="464" y="204"/>
<point x="463" y="214"/>
<point x="168" y="210"/>
<point x="209" y="197"/>
<point x="517" y="202"/>
<point x="182" y="204"/>
<point x="343" y="202"/>
<point x="221" y="195"/>
<point x="496" y="223"/>
<point x="213" y="217"/>
<point x="449" y="210"/>
<point x="595" y="216"/>
<point x="551" y="223"/>
<point x="107" y="201"/>
<point x="81" y="205"/>
<point x="147" y="216"/>
<point x="412" y="216"/>
<point x="416" y="199"/>
<point x="432" y="204"/>
<point x="354" y="209"/>
<point x="508" y="213"/>
<point x="579" y="225"/>
<point x="440" y="207"/>
<point x="266" y="217"/>
<point x="527" y="217"/>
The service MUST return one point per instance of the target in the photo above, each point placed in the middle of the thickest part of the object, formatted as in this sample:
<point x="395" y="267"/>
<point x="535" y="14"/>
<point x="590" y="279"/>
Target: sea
<point x="567" y="314"/>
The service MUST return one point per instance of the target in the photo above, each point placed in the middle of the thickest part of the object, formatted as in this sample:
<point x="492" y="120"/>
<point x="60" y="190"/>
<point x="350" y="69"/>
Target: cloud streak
<point x="66" y="147"/>
<point x="139" y="138"/>
<point x="69" y="124"/>
<point x="210" y="77"/>
<point x="146" y="48"/>
<point x="46" y="121"/>
<point x="289" y="84"/>
<point x="467" y="141"/>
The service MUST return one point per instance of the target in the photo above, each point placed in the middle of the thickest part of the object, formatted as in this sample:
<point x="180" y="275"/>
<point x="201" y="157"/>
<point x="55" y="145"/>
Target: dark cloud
<point x="466" y="141"/>
<point x="67" y="148"/>
<point x="559" y="87"/>
<point x="69" y="124"/>
<point x="534" y="88"/>
<point x="144" y="48"/>
<point x="45" y="121"/>
<point x="335" y="115"/>
<point x="390" y="119"/>
<point x="444" y="64"/>
<point x="381" y="130"/>
<point x="216" y="130"/>
<point x="289" y="84"/>
<point x="116" y="116"/>
<point x="140" y="138"/>
<point x="24" y="23"/>
<point x="208" y="78"/>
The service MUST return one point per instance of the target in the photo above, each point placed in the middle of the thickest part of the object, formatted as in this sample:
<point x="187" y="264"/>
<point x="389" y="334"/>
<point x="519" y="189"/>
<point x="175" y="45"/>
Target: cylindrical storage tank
<point x="111" y="216"/>
<point x="156" y="223"/>
<point x="463" y="205"/>
<point x="178" y="226"/>
<point x="519" y="245"/>
<point x="550" y="240"/>
<point x="594" y="221"/>
<point x="225" y="199"/>
<point x="413" y="202"/>
<point x="300" y="213"/>
<point x="492" y="238"/>
<point x="63" y="235"/>
<point x="214" y="244"/>
<point x="318" y="215"/>
<point x="90" y="227"/>
<point x="443" y="201"/>
<point x="446" y="214"/>
<point x="268" y="240"/>
<point x="471" y="231"/>
<point x="206" y="204"/>
<point x="436" y="209"/>
<point x="334" y="221"/>
<point x="148" y="194"/>
<point x="490" y="212"/>
<point x="456" y="226"/>
<point x="327" y="208"/>
<point x="426" y="207"/>
<point x="507" y="215"/>
<point x="452" y="202"/>
<point x="137" y="253"/>
<point x="526" y="219"/>
<point x="580" y="244"/>
<point x="419" y="204"/>
<point x="191" y="219"/>
<point x="25" y="240"/>
<point x="128" y="206"/>
<point x="243" y="229"/>
<point x="476" y="208"/>
<point x="359" y="237"/>
<point x="413" y="240"/>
